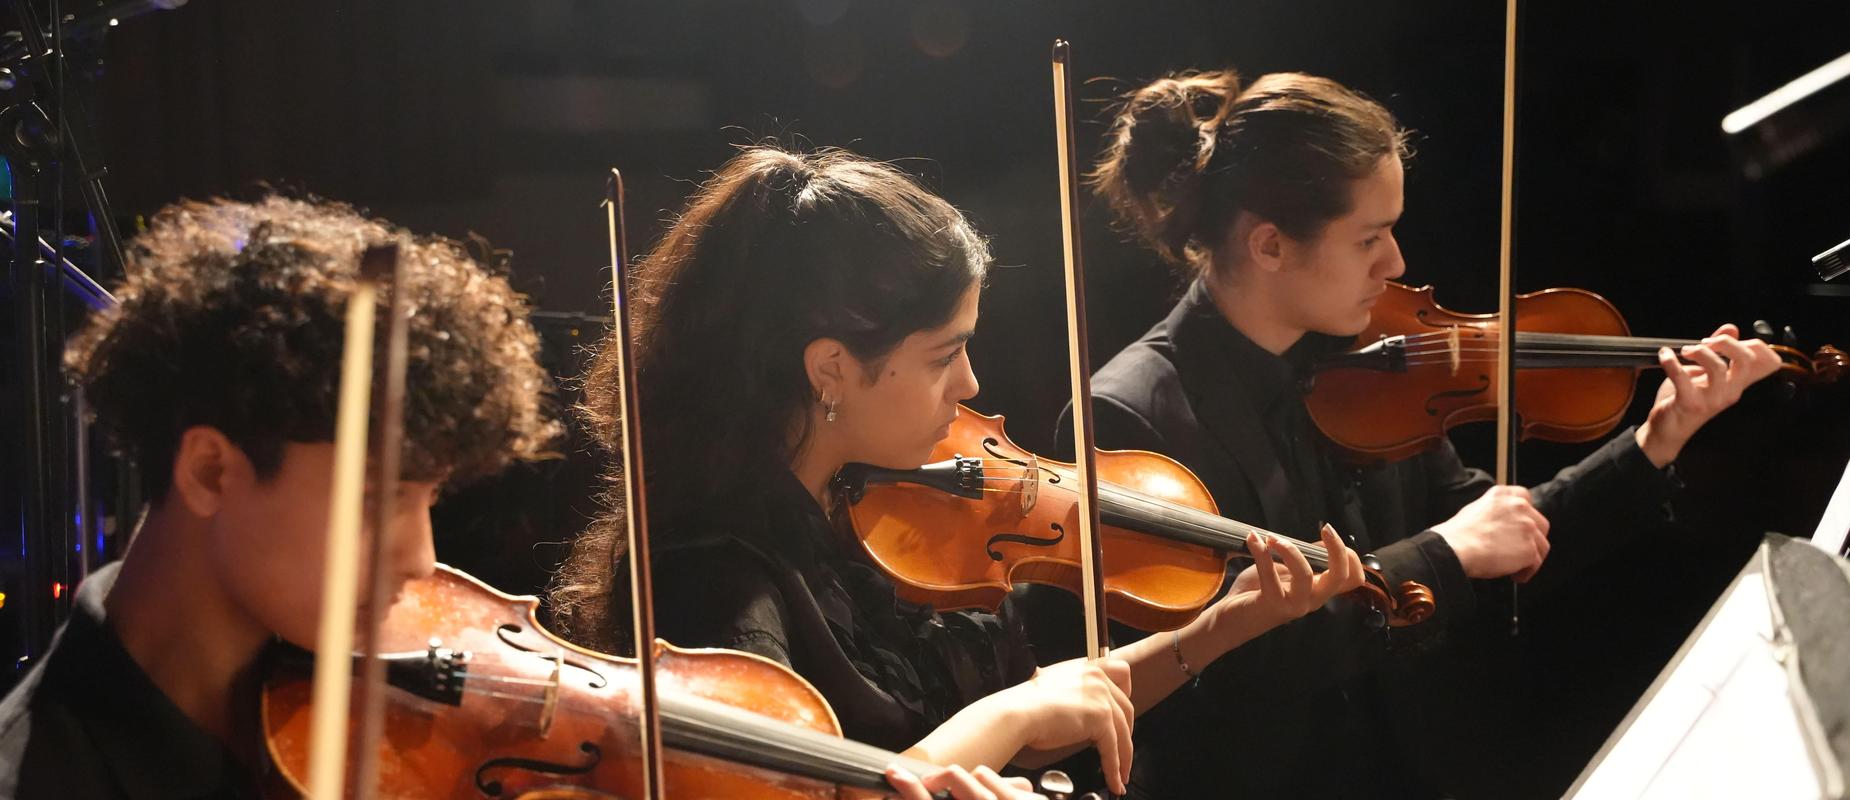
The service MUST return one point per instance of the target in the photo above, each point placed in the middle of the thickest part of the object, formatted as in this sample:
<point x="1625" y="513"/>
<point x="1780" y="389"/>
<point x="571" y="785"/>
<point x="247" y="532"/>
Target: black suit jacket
<point x="1259" y="723"/>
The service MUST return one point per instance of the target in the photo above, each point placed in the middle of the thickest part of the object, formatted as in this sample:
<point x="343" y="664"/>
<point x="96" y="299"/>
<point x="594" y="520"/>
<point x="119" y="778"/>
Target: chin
<point x="908" y="460"/>
<point x="1350" y="328"/>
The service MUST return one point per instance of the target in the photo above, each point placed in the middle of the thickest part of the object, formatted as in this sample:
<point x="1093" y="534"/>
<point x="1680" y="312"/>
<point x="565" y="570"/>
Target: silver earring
<point x="830" y="404"/>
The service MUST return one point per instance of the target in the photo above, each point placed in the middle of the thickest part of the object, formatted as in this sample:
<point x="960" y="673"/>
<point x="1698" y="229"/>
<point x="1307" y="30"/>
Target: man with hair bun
<point x="1279" y="199"/>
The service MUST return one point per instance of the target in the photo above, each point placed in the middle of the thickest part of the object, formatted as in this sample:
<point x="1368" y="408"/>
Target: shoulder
<point x="16" y="730"/>
<point x="43" y="745"/>
<point x="1141" y="381"/>
<point x="16" y="709"/>
<point x="1134" y="396"/>
<point x="722" y="593"/>
<point x="1139" y="395"/>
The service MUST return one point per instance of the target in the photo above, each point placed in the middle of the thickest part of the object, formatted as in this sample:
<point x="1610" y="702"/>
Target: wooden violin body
<point x="1452" y="378"/>
<point x="989" y="514"/>
<point x="1420" y="369"/>
<point x="483" y="702"/>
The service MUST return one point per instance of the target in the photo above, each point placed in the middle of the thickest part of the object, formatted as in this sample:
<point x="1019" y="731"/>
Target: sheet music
<point x="1835" y="525"/>
<point x="1719" y="722"/>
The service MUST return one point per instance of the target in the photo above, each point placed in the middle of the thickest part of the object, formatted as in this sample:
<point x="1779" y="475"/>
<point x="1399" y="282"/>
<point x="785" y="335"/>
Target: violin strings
<point x="1628" y="345"/>
<point x="842" y="753"/>
<point x="513" y="680"/>
<point x="712" y="721"/>
<point x="502" y="695"/>
<point x="1609" y="360"/>
<point x="1480" y="333"/>
<point x="1486" y="347"/>
<point x="1526" y="349"/>
<point x="1129" y="498"/>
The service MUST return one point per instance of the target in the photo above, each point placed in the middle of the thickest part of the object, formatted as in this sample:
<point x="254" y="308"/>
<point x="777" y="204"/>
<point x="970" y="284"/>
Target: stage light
<point x="833" y="57"/>
<point x="940" y="28"/>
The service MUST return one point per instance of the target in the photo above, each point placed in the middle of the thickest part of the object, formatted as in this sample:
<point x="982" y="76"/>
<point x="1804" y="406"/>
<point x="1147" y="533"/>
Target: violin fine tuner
<point x="1058" y="785"/>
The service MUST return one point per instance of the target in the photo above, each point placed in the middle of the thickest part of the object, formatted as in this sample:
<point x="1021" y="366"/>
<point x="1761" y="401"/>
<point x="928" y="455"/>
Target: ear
<point x="826" y="362"/>
<point x="1265" y="247"/>
<point x="204" y="465"/>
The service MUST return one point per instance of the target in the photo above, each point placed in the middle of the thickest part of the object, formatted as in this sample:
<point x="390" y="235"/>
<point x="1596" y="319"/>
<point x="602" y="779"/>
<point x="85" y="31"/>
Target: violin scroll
<point x="1409" y="603"/>
<point x="1824" y="366"/>
<point x="1795" y="368"/>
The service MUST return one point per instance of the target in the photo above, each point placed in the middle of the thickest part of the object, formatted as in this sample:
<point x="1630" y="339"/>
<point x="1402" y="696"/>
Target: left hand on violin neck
<point x="1721" y="367"/>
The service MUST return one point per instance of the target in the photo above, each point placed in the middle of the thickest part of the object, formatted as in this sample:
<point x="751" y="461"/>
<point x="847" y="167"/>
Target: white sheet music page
<point x="1719" y="723"/>
<point x="1835" y="524"/>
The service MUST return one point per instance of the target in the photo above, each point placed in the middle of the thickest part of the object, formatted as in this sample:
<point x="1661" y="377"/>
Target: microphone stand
<point x="43" y="127"/>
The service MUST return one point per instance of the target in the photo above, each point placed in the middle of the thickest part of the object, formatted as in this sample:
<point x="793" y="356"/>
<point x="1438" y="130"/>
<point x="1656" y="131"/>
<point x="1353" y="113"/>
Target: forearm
<point x="1155" y="671"/>
<point x="986" y="733"/>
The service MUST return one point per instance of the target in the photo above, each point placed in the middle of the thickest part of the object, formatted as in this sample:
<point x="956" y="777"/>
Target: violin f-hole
<point x="493" y="788"/>
<point x="1022" y="538"/>
<point x="507" y="633"/>
<point x="1432" y="403"/>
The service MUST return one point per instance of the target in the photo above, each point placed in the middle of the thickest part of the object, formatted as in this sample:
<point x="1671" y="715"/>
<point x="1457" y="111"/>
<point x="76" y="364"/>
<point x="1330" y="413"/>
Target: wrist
<point x="1462" y="549"/>
<point x="1007" y="720"/>
<point x="1238" y="619"/>
<point x="988" y="731"/>
<point x="1656" y="446"/>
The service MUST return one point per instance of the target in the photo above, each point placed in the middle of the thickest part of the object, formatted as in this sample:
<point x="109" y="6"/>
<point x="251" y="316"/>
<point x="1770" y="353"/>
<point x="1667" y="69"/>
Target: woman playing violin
<point x="804" y="312"/>
<point x="217" y="374"/>
<point x="1280" y="199"/>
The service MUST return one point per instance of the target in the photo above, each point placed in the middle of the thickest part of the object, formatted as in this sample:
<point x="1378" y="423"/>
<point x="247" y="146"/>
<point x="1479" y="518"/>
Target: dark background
<point x="501" y="118"/>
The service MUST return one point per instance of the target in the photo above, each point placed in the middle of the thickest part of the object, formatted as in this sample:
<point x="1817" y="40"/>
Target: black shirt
<point x="1306" y="709"/>
<point x="770" y="576"/>
<point x="88" y="722"/>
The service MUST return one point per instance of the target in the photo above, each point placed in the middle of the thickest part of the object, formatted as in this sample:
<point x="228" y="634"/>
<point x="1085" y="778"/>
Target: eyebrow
<point x="956" y="340"/>
<point x="1385" y="224"/>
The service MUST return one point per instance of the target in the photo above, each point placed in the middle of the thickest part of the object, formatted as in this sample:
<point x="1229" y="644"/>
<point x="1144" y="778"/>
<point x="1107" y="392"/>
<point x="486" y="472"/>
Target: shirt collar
<point x="151" y="746"/>
<point x="1267" y="377"/>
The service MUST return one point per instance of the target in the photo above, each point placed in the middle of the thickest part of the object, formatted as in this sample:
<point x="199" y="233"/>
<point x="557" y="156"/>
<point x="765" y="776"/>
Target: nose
<point x="1392" y="265"/>
<point x="415" y="553"/>
<point x="965" y="385"/>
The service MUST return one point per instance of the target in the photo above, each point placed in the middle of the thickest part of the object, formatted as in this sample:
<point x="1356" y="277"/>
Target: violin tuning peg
<point x="1762" y="329"/>
<point x="1056" y="784"/>
<point x="1789" y="337"/>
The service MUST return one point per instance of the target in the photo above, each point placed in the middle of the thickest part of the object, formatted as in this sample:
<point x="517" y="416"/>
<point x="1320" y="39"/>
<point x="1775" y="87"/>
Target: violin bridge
<point x="550" y="708"/>
<point x="1452" y="346"/>
<point x="1030" y="484"/>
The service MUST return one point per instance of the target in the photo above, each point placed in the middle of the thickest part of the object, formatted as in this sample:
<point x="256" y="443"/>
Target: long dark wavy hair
<point x="776" y="250"/>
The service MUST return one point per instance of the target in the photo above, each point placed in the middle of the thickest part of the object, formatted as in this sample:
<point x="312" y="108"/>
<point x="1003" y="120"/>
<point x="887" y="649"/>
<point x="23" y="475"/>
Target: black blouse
<point x="770" y="576"/>
<point x="1300" y="711"/>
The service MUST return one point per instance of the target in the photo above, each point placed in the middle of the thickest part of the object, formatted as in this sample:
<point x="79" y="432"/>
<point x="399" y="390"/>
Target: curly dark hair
<point x="776" y="250"/>
<point x="233" y="317"/>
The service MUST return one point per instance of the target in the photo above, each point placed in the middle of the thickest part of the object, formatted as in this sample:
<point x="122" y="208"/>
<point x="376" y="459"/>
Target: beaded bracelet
<point x="1175" y="643"/>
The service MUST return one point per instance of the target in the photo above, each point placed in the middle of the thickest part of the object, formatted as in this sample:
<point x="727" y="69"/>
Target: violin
<point x="957" y="533"/>
<point x="1421" y="368"/>
<point x="466" y="695"/>
<point x="483" y="702"/>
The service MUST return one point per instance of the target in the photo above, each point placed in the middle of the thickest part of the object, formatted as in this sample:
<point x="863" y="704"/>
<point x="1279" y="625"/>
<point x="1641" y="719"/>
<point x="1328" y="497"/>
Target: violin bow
<point x="1506" y="313"/>
<point x="1091" y="553"/>
<point x="381" y="269"/>
<point x="635" y="497"/>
